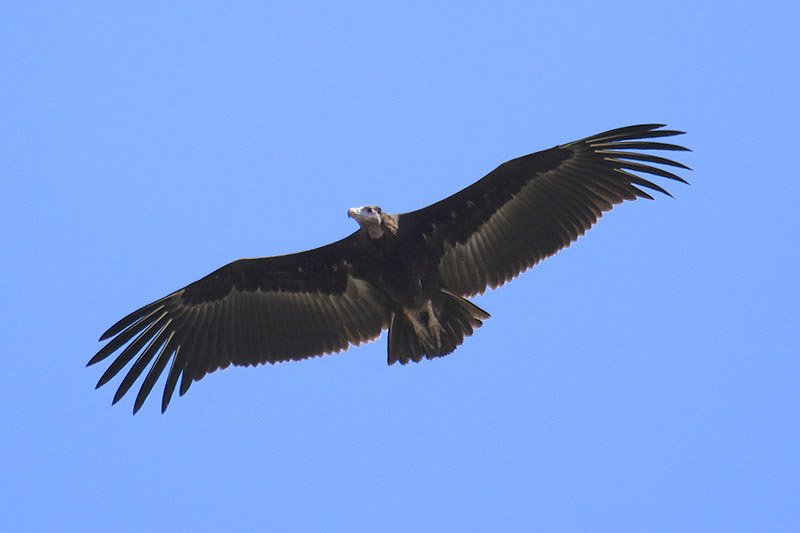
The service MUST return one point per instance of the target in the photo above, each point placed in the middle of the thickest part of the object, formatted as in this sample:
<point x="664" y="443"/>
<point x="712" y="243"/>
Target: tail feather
<point x="457" y="317"/>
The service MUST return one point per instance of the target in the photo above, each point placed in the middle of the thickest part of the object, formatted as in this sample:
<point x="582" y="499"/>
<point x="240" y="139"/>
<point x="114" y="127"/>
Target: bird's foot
<point x="434" y="328"/>
<point x="430" y="334"/>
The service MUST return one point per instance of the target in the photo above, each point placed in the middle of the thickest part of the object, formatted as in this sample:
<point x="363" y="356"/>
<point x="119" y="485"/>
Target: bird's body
<point x="408" y="273"/>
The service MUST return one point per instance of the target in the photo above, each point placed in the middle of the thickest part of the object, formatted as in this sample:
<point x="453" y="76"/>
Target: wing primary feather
<point x="638" y="180"/>
<point x="186" y="331"/>
<point x="131" y="350"/>
<point x="611" y="198"/>
<point x="186" y="380"/>
<point x="590" y="174"/>
<point x="658" y="133"/>
<point x="131" y="318"/>
<point x="626" y="132"/>
<point x="639" y="145"/>
<point x="648" y="169"/>
<point x="155" y="371"/>
<point x="608" y="180"/>
<point x="141" y="363"/>
<point x="123" y="337"/>
<point x="642" y="134"/>
<point x="172" y="378"/>
<point x="630" y="133"/>
<point x="614" y="155"/>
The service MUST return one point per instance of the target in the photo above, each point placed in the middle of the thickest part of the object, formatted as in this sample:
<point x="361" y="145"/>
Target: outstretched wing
<point x="531" y="207"/>
<point x="249" y="312"/>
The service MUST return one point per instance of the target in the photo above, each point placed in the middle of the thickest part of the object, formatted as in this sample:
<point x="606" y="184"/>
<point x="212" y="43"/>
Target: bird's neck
<point x="388" y="224"/>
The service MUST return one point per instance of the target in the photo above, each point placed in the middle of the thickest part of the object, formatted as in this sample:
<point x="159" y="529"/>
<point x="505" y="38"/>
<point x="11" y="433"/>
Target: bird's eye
<point x="368" y="210"/>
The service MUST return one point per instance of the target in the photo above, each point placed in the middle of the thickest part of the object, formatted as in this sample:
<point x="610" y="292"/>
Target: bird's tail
<point x="416" y="334"/>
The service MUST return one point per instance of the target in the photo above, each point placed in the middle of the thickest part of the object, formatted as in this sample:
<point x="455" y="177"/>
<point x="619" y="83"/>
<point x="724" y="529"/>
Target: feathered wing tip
<point x="615" y="146"/>
<point x="638" y="131"/>
<point x="458" y="318"/>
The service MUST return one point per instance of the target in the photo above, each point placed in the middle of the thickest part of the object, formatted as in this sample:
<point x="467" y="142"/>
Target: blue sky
<point x="645" y="379"/>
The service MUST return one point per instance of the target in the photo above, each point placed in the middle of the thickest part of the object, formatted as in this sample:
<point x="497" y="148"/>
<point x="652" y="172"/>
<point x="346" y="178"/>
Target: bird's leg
<point x="423" y="333"/>
<point x="434" y="328"/>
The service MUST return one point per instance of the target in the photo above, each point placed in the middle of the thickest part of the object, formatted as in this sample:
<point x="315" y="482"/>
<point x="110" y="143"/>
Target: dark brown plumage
<point x="408" y="273"/>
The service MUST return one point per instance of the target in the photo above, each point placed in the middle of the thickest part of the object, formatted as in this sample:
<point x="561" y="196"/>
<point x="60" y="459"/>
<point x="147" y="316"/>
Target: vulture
<point x="410" y="274"/>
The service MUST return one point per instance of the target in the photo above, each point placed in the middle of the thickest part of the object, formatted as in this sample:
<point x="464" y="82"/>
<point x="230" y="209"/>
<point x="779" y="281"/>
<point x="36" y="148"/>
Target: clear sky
<point x="646" y="379"/>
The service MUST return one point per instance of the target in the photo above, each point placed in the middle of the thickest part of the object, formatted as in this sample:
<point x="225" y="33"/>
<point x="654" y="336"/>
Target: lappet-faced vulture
<point x="408" y="273"/>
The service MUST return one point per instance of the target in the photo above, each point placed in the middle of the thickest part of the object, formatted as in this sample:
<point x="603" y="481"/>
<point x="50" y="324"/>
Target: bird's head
<point x="372" y="219"/>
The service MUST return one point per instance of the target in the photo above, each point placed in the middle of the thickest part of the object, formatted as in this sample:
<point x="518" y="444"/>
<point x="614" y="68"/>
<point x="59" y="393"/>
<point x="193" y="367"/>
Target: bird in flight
<point x="409" y="273"/>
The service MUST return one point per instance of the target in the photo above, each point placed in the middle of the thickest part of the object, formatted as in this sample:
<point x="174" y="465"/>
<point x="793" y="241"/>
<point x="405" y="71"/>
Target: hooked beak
<point x="353" y="212"/>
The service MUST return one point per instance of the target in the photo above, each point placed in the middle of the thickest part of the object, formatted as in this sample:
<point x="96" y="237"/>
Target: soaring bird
<point x="409" y="273"/>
